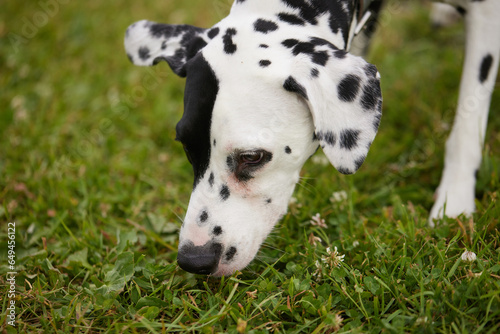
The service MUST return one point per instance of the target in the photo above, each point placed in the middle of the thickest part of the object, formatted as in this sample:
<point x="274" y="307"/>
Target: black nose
<point x="201" y="260"/>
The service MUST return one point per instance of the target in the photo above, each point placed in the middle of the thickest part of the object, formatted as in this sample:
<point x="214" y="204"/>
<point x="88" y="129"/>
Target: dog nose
<point x="202" y="260"/>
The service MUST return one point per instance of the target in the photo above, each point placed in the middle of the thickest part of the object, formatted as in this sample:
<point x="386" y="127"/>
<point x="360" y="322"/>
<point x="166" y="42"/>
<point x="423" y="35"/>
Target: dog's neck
<point x="333" y="20"/>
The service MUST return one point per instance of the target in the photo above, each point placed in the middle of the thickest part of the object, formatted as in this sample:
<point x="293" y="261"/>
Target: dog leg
<point x="455" y="194"/>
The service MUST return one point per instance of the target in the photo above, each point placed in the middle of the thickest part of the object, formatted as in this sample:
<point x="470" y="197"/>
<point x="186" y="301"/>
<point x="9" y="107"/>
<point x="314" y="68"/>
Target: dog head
<point x="258" y="102"/>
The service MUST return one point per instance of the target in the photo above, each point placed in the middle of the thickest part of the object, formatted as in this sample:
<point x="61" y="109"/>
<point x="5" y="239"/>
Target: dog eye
<point x="251" y="158"/>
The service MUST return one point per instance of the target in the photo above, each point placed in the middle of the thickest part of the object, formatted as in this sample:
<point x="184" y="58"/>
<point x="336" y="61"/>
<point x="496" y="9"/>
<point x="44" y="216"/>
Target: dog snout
<point x="202" y="260"/>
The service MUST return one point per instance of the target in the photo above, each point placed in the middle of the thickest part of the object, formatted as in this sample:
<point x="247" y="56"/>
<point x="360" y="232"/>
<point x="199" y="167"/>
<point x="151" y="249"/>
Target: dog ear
<point x="148" y="43"/>
<point x="345" y="100"/>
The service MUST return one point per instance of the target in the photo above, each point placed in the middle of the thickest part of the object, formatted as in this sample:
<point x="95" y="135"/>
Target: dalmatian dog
<point x="270" y="84"/>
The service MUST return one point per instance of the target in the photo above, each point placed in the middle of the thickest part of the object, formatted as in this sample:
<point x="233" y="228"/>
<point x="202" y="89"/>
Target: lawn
<point x="97" y="188"/>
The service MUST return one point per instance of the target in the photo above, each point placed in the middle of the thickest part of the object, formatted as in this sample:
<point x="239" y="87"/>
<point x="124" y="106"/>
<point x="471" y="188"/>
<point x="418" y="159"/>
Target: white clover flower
<point x="468" y="256"/>
<point x="318" y="273"/>
<point x="318" y="221"/>
<point x="334" y="258"/>
<point x="338" y="196"/>
<point x="314" y="240"/>
<point x="337" y="324"/>
<point x="355" y="243"/>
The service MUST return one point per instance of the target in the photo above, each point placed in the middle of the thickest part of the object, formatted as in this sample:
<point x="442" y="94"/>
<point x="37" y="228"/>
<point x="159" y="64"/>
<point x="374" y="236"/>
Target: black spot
<point x="264" y="46"/>
<point x="203" y="216"/>
<point x="371" y="70"/>
<point x="288" y="150"/>
<point x="144" y="53"/>
<point x="163" y="30"/>
<point x="269" y="201"/>
<point x="215" y="142"/>
<point x="211" y="180"/>
<point x="291" y="19"/>
<point x="340" y="13"/>
<point x="359" y="161"/>
<point x="320" y="58"/>
<point x="349" y="139"/>
<point x="264" y="63"/>
<point x="168" y="30"/>
<point x="309" y="48"/>
<point x="229" y="46"/>
<point x="224" y="192"/>
<point x="371" y="94"/>
<point x="293" y="86"/>
<point x="314" y="73"/>
<point x="308" y="12"/>
<point x="163" y="45"/>
<point x="213" y="32"/>
<point x="348" y="88"/>
<point x="343" y="170"/>
<point x="327" y="137"/>
<point x="264" y="26"/>
<point x="290" y="43"/>
<point x="485" y="68"/>
<point x="340" y="54"/>
<point x="190" y="43"/>
<point x="217" y="230"/>
<point x="230" y="253"/>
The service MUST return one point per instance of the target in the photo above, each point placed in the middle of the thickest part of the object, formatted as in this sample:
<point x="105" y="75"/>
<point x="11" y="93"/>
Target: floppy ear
<point x="148" y="43"/>
<point x="344" y="97"/>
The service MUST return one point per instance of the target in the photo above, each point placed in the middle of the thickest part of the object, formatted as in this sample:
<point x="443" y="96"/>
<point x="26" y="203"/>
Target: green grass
<point x="97" y="187"/>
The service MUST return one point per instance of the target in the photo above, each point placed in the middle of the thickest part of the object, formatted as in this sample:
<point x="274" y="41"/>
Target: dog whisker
<point x="307" y="186"/>
<point x="181" y="220"/>
<point x="265" y="245"/>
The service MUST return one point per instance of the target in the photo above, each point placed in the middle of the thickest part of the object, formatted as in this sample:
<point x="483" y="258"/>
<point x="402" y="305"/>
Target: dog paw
<point x="453" y="198"/>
